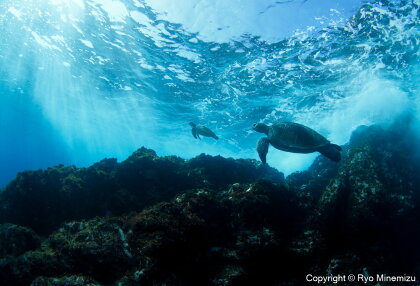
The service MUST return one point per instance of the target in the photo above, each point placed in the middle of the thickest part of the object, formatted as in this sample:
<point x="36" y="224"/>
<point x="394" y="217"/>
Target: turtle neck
<point x="265" y="130"/>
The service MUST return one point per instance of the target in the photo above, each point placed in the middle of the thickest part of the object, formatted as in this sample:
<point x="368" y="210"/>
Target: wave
<point x="108" y="77"/>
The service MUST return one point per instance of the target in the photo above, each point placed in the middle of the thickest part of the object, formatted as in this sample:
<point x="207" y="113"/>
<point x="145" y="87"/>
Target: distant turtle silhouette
<point x="202" y="130"/>
<point x="295" y="138"/>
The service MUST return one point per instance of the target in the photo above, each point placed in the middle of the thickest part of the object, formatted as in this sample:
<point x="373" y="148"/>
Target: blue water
<point x="87" y="79"/>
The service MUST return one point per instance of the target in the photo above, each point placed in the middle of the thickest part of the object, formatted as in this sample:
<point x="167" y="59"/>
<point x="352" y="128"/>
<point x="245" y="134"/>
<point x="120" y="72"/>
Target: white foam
<point x="188" y="54"/>
<point x="44" y="41"/>
<point x="117" y="12"/>
<point x="65" y="2"/>
<point x="379" y="101"/>
<point x="17" y="13"/>
<point x="139" y="17"/>
<point x="87" y="43"/>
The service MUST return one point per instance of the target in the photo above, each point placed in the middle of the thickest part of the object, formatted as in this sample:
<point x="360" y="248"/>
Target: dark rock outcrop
<point x="370" y="208"/>
<point x="64" y="281"/>
<point x="16" y="240"/>
<point x="44" y="199"/>
<point x="195" y="237"/>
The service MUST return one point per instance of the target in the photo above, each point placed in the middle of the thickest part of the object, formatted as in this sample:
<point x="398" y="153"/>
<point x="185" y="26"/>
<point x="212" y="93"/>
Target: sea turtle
<point x="202" y="130"/>
<point x="296" y="138"/>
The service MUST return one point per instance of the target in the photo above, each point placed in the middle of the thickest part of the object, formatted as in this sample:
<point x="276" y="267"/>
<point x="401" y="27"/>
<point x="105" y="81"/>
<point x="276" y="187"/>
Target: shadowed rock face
<point x="16" y="240"/>
<point x="44" y="199"/>
<point x="72" y="280"/>
<point x="213" y="221"/>
<point x="373" y="201"/>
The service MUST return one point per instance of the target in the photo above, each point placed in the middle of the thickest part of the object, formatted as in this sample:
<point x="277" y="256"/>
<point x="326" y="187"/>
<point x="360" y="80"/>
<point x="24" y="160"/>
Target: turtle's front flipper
<point x="194" y="132"/>
<point x="262" y="149"/>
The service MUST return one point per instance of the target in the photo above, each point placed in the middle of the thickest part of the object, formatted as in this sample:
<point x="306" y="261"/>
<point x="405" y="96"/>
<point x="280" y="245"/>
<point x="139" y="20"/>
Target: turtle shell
<point x="294" y="137"/>
<point x="203" y="130"/>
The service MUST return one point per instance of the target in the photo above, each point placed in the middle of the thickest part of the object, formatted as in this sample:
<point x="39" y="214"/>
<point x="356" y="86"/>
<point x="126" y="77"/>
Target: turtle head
<point x="262" y="149"/>
<point x="192" y="124"/>
<point x="260" y="127"/>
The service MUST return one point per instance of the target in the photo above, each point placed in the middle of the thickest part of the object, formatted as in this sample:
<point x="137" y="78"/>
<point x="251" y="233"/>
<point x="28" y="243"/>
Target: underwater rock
<point x="16" y="240"/>
<point x="372" y="203"/>
<point x="38" y="199"/>
<point x="205" y="234"/>
<point x="218" y="172"/>
<point x="197" y="236"/>
<point x="178" y="240"/>
<point x="22" y="270"/>
<point x="376" y="181"/>
<point x="95" y="248"/>
<point x="64" y="281"/>
<point x="267" y="204"/>
<point x="314" y="180"/>
<point x="44" y="199"/>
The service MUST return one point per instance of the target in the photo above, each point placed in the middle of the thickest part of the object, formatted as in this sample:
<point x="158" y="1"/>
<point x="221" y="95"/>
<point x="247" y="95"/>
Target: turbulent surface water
<point x="87" y="79"/>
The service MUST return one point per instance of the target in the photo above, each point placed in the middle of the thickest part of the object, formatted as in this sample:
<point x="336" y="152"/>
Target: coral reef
<point x="165" y="221"/>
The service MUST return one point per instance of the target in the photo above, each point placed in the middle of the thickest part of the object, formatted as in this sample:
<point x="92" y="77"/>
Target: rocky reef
<point x="44" y="199"/>
<point x="153" y="220"/>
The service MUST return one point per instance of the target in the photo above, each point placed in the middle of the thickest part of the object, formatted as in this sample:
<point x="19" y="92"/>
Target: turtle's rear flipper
<point x="194" y="132"/>
<point x="331" y="151"/>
